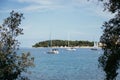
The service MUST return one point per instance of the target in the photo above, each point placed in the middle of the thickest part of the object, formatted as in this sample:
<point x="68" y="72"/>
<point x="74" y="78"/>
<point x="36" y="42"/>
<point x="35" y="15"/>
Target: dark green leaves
<point x="11" y="64"/>
<point x="110" y="59"/>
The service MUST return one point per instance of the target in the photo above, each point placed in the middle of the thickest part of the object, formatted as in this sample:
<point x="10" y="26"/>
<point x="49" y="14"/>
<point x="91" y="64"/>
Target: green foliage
<point x="110" y="60"/>
<point x="111" y="57"/>
<point x="64" y="43"/>
<point x="111" y="5"/>
<point x="11" y="64"/>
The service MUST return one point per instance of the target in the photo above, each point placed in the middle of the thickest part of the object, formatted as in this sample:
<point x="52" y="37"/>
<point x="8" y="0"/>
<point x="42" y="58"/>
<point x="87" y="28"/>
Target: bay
<point x="81" y="64"/>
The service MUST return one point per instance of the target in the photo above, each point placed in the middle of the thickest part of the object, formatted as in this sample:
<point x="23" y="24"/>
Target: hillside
<point x="63" y="43"/>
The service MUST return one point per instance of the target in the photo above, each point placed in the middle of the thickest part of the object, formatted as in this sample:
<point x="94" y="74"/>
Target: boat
<point x="52" y="50"/>
<point x="95" y="47"/>
<point x="68" y="46"/>
<point x="71" y="49"/>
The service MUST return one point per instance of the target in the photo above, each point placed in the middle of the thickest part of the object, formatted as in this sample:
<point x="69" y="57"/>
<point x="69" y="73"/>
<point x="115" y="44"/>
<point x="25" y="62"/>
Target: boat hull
<point x="53" y="51"/>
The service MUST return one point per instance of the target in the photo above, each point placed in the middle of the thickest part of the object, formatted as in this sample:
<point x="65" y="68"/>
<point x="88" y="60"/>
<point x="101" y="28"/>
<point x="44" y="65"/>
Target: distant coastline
<point x="64" y="44"/>
<point x="67" y="47"/>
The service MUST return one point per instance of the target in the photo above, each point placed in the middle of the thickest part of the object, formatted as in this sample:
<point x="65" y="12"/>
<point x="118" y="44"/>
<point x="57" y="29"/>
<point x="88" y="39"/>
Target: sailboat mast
<point x="68" y="40"/>
<point x="50" y="40"/>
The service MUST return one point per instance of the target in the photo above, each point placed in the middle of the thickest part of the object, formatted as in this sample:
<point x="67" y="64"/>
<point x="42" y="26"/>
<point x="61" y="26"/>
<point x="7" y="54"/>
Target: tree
<point x="11" y="63"/>
<point x="111" y="5"/>
<point x="110" y="59"/>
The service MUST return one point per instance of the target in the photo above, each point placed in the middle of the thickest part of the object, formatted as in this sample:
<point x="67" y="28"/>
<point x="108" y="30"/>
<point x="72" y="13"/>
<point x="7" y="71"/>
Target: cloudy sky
<point x="81" y="19"/>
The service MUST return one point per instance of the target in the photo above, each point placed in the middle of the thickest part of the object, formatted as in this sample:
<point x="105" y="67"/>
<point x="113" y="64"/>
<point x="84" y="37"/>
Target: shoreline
<point x="69" y="47"/>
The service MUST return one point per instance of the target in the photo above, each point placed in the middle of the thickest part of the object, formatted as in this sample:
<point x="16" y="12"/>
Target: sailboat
<point x="70" y="48"/>
<point x="95" y="47"/>
<point x="52" y="50"/>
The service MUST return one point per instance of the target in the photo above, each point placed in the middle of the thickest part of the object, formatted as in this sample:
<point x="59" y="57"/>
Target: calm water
<point x="81" y="64"/>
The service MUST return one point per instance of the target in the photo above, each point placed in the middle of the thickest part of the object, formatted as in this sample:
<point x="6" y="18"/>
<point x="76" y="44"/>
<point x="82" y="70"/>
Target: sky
<point x="56" y="19"/>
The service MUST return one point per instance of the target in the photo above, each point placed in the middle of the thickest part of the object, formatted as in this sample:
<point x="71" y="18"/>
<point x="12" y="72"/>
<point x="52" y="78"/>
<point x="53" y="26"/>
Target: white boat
<point x="52" y="50"/>
<point x="95" y="47"/>
<point x="71" y="49"/>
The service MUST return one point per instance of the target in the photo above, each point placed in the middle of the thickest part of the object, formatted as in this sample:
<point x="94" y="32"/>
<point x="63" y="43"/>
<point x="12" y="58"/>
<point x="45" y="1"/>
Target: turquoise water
<point x="81" y="64"/>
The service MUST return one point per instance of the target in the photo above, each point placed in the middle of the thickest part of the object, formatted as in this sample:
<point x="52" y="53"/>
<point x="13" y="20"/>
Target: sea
<point x="81" y="64"/>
